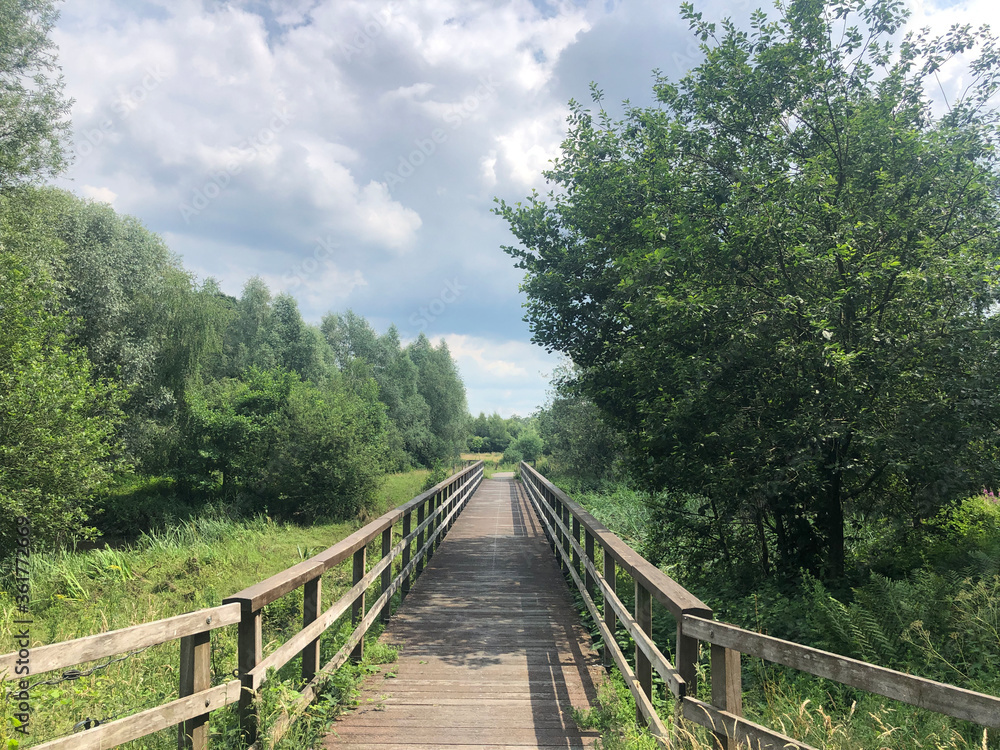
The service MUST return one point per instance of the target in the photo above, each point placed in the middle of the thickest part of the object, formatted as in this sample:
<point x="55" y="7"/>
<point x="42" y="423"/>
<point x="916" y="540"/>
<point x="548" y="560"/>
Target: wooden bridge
<point x="493" y="653"/>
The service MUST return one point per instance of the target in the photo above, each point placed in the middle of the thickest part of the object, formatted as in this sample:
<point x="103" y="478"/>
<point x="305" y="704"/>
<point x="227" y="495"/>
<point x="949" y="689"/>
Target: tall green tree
<point x="440" y="385"/>
<point x="33" y="109"/>
<point x="780" y="283"/>
<point x="330" y="452"/>
<point x="577" y="437"/>
<point x="57" y="422"/>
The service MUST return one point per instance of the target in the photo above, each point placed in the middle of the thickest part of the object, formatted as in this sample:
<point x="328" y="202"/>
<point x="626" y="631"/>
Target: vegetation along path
<point x="492" y="652"/>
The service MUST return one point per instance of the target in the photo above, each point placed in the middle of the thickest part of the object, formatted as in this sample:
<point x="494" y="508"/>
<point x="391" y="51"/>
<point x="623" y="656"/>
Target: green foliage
<point x="329" y="452"/>
<point x="419" y="385"/>
<point x="578" y="437"/>
<point x="441" y="387"/>
<point x="529" y="445"/>
<point x="779" y="283"/>
<point x="512" y="455"/>
<point x="232" y="426"/>
<point x="57" y="423"/>
<point x="438" y="474"/>
<point x="33" y="108"/>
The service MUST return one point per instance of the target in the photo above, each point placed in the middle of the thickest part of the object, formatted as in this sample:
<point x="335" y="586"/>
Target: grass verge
<point x="189" y="566"/>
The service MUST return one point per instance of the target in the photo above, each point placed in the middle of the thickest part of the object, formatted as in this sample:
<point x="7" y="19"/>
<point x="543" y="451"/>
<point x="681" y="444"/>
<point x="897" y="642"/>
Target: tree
<point x="441" y="387"/>
<point x="581" y="443"/>
<point x="33" y="110"/>
<point x="529" y="445"/>
<point x="780" y="283"/>
<point x="329" y="455"/>
<point x="353" y="340"/>
<point x="231" y="429"/>
<point x="57" y="422"/>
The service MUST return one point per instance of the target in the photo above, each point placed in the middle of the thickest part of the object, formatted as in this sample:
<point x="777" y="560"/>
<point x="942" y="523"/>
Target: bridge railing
<point x="435" y="512"/>
<point x="564" y="520"/>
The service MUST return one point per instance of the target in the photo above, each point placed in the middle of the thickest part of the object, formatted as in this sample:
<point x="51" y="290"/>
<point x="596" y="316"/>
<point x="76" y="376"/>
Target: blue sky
<point x="349" y="152"/>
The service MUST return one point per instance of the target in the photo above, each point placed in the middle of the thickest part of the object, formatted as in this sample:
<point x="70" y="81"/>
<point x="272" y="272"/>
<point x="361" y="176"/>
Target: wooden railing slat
<point x="917" y="691"/>
<point x="662" y="587"/>
<point x="290" y="648"/>
<point x="263" y="593"/>
<point x="643" y="704"/>
<point x="153" y="720"/>
<point x="340" y="658"/>
<point x="643" y="640"/>
<point x="753" y="735"/>
<point x="663" y="667"/>
<point x="92" y="647"/>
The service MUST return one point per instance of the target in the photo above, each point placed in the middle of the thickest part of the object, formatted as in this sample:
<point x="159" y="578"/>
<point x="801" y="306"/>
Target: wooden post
<point x="358" y="607"/>
<point x="609" y="613"/>
<point x="248" y="652"/>
<point x="196" y="675"/>
<point x="643" y="669"/>
<point x="576" y="536"/>
<point x="432" y="505"/>
<point x="407" y="520"/>
<point x="565" y="537"/>
<point x="311" y="608"/>
<point x="387" y="573"/>
<point x="589" y="549"/>
<point x="551" y="510"/>
<point x="727" y="688"/>
<point x="687" y="659"/>
<point x="420" y="537"/>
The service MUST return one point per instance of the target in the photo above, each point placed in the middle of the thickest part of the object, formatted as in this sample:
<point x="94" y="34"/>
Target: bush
<point x="512" y="455"/>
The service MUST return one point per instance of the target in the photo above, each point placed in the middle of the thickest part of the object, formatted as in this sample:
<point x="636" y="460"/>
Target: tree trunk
<point x="831" y="523"/>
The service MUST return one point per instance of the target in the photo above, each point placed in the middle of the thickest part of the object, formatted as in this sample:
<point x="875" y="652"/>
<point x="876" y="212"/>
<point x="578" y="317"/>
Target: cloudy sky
<point x="349" y="152"/>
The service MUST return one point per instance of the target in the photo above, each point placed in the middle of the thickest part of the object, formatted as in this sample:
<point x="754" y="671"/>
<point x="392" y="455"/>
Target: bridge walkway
<point x="492" y="653"/>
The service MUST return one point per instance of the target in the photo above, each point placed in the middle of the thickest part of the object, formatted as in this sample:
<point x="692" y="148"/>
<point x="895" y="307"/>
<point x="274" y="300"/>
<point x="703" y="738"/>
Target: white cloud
<point x="503" y="375"/>
<point x="487" y="168"/>
<point x="101" y="194"/>
<point x="318" y="283"/>
<point x="529" y="146"/>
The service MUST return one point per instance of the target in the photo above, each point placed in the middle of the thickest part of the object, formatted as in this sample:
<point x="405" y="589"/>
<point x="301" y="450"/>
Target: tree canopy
<point x="33" y="110"/>
<point x="780" y="283"/>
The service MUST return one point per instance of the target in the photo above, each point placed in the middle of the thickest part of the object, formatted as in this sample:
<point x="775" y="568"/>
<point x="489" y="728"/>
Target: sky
<point x="349" y="153"/>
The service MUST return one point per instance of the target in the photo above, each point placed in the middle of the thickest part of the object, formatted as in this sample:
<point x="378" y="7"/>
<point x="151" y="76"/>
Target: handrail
<point x="724" y="714"/>
<point x="436" y="510"/>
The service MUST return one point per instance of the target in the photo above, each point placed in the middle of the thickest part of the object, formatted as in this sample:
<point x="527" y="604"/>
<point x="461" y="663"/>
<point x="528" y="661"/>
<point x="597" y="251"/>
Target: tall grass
<point x="940" y="619"/>
<point x="185" y="567"/>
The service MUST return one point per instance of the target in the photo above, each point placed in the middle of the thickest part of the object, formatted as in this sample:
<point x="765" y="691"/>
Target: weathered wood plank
<point x="195" y="677"/>
<point x="662" y="587"/>
<point x="643" y="640"/>
<point x="515" y="667"/>
<point x="727" y="688"/>
<point x="752" y="736"/>
<point x="139" y="725"/>
<point x="917" y="691"/>
<point x="93" y="647"/>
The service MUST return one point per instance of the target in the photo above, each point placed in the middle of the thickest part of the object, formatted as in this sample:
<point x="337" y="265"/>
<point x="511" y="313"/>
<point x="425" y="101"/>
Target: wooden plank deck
<point x="492" y="654"/>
